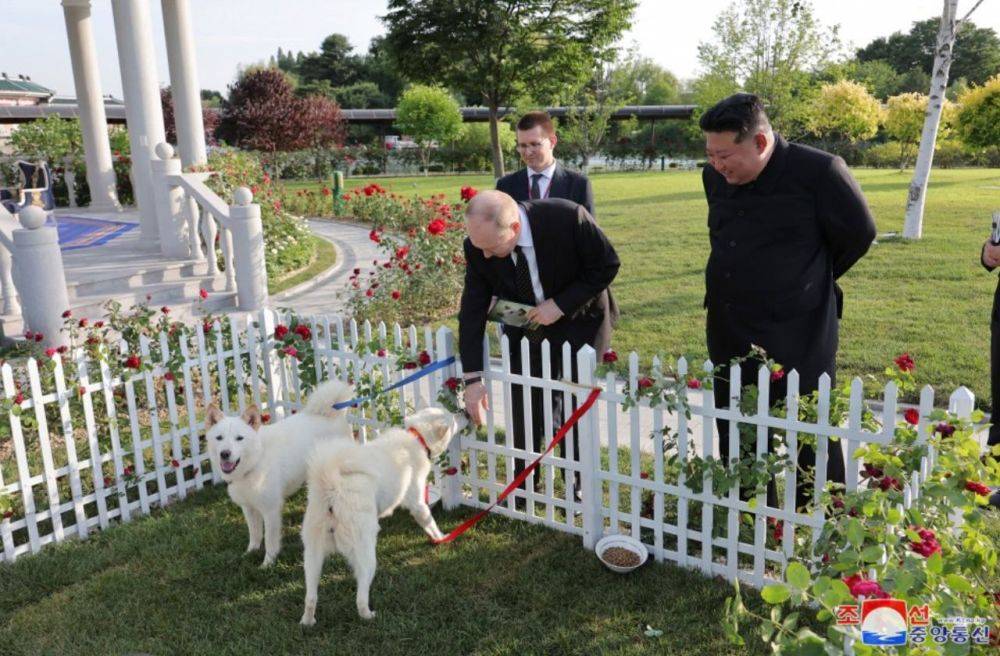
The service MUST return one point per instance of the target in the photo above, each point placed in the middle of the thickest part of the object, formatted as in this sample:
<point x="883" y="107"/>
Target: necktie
<point x="522" y="279"/>
<point x="536" y="192"/>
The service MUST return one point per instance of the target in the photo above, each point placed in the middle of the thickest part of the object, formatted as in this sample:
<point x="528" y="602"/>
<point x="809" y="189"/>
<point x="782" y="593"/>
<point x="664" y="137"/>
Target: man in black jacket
<point x="785" y="222"/>
<point x="546" y="253"/>
<point x="990" y="258"/>
<point x="544" y="177"/>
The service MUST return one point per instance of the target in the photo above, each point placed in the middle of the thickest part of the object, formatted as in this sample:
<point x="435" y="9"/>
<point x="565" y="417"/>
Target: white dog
<point x="264" y="465"/>
<point x="352" y="485"/>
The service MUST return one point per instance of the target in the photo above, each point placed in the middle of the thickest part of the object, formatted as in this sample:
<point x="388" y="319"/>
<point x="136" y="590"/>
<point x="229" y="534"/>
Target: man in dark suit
<point x="544" y="177"/>
<point x="990" y="258"/>
<point x="785" y="222"/>
<point x="546" y="253"/>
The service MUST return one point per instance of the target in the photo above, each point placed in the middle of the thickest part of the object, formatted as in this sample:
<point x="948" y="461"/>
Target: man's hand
<point x="477" y="404"/>
<point x="991" y="254"/>
<point x="545" y="314"/>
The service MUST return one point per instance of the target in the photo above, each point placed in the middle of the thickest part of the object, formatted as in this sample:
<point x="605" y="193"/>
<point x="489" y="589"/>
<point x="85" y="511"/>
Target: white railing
<point x="68" y="478"/>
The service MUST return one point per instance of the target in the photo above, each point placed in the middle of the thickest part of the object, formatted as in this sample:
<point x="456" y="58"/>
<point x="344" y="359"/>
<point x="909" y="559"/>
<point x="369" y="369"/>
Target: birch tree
<point x="913" y="224"/>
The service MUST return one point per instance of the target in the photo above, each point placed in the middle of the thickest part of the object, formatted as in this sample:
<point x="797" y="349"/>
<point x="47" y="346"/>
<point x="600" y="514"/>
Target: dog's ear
<point x="252" y="416"/>
<point x="213" y="416"/>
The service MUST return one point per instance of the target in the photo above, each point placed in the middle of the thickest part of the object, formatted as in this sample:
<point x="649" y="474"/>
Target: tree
<point x="334" y="62"/>
<point x="878" y="76"/>
<point x="845" y="110"/>
<point x="641" y="81"/>
<point x="263" y="113"/>
<point x="904" y="122"/>
<point x="767" y="47"/>
<point x="611" y="86"/>
<point x="429" y="115"/>
<point x="978" y="116"/>
<point x="947" y="33"/>
<point x="976" y="53"/>
<point x="503" y="48"/>
<point x="50" y="138"/>
<point x="209" y="118"/>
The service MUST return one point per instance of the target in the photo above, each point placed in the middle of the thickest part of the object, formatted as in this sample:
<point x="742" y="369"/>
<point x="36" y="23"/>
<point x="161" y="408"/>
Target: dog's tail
<point x="320" y="403"/>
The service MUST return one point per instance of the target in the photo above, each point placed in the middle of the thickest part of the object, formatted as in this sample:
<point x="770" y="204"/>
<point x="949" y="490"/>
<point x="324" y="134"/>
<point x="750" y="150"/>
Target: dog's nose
<point x="224" y="455"/>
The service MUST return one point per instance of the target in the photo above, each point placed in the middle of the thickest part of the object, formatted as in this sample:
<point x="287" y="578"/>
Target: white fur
<point x="352" y="485"/>
<point x="272" y="460"/>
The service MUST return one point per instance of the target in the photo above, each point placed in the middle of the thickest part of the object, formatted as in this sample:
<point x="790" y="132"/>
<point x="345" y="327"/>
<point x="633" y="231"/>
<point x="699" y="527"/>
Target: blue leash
<point x="426" y="371"/>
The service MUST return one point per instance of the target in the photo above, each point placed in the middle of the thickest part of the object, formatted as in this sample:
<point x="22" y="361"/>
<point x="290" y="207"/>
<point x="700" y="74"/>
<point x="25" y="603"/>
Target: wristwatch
<point x="473" y="379"/>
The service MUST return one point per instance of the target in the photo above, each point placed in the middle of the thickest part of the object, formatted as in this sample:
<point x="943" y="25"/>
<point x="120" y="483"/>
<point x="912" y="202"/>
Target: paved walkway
<point x="354" y="250"/>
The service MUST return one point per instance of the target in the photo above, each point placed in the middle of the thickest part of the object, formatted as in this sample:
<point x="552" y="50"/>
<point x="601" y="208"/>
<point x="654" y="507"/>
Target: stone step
<point x="119" y="279"/>
<point x="182" y="297"/>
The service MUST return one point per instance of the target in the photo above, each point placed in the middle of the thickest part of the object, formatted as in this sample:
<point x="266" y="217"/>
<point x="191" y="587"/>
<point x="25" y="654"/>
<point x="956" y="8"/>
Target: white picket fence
<point x="68" y="480"/>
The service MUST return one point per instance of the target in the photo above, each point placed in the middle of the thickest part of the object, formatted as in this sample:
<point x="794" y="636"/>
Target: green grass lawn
<point x="179" y="583"/>
<point x="930" y="297"/>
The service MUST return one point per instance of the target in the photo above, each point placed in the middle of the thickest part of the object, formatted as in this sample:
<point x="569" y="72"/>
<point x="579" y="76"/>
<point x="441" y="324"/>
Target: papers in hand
<point x="995" y="236"/>
<point x="511" y="314"/>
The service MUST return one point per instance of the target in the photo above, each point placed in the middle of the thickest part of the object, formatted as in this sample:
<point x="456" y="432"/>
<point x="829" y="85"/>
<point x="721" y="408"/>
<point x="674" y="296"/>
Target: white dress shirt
<point x="527" y="245"/>
<point x="544" y="181"/>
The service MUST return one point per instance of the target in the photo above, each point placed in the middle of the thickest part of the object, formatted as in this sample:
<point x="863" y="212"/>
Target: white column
<point x="184" y="86"/>
<point x="143" y="112"/>
<point x="171" y="204"/>
<point x="39" y="276"/>
<point x="93" y="122"/>
<point x="248" y="252"/>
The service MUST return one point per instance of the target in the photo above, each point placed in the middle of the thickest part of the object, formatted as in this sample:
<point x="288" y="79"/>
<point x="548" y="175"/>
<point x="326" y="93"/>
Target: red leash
<point x="575" y="417"/>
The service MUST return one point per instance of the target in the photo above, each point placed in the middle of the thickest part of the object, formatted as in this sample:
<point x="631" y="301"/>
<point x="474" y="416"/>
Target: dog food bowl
<point x="625" y="542"/>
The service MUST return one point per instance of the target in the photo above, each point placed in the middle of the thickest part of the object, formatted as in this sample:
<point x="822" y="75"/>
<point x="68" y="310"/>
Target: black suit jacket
<point x="565" y="184"/>
<point x="576" y="263"/>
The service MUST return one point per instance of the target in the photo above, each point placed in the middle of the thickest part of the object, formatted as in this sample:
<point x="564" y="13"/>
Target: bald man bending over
<point x="546" y="253"/>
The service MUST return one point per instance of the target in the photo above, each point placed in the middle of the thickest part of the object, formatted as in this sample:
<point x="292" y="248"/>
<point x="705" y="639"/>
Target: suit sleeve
<point x="476" y="297"/>
<point x="846" y="221"/>
<point x="599" y="265"/>
<point x="982" y="259"/>
<point x="587" y="197"/>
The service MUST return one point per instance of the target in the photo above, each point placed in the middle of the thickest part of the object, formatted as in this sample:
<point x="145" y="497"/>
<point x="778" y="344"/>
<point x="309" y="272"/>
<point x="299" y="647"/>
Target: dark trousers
<point x="806" y="343"/>
<point x="994" y="436"/>
<point x="541" y="433"/>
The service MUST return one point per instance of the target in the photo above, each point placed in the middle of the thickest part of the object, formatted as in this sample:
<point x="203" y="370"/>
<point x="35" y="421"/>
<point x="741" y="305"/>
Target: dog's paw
<point x="307" y="621"/>
<point x="252" y="548"/>
<point x="268" y="561"/>
<point x="366" y="613"/>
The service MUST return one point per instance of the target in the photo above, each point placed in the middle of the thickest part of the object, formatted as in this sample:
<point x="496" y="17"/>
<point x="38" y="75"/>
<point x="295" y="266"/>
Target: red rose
<point x="870" y="589"/>
<point x="425" y="358"/>
<point x="380" y="353"/>
<point x="643" y="475"/>
<point x="694" y="383"/>
<point x="370" y="293"/>
<point x="19" y="398"/>
<point x="375" y="236"/>
<point x="132" y="362"/>
<point x="168" y="376"/>
<point x="777" y="374"/>
<point x="50" y="352"/>
<point x="410" y="365"/>
<point x="62" y="349"/>
<point x="357" y="272"/>
<point x="402" y="252"/>
<point x="838" y="502"/>
<point x="67" y="314"/>
<point x="451" y="384"/>
<point x="99" y="324"/>
<point x="326" y="191"/>
<point x="107" y="481"/>
<point x="912" y="416"/>
<point x="303" y="331"/>
<point x="396" y="294"/>
<point x="978" y="488"/>
<point x="905" y="362"/>
<point x="291" y="351"/>
<point x="207" y="326"/>
<point x="165" y="310"/>
<point x="872" y="471"/>
<point x="645" y="382"/>
<point x="81" y="390"/>
<point x="265" y="418"/>
<point x="451" y="471"/>
<point x="280" y="331"/>
<point x="946" y="429"/>
<point x="889" y="483"/>
<point x="174" y="463"/>
<point x="127" y="471"/>
<point x="82" y="323"/>
<point x="468" y="193"/>
<point x="203" y="293"/>
<point x="609" y="357"/>
<point x="28" y="335"/>
<point x="39" y="337"/>
<point x="436" y="227"/>
<point x="345" y="197"/>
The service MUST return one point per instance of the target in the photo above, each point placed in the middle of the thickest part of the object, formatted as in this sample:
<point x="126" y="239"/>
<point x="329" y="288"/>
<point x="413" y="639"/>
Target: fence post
<point x="39" y="277"/>
<point x="171" y="222"/>
<point x="590" y="452"/>
<point x="248" y="252"/>
<point x="961" y="403"/>
<point x="451" y="491"/>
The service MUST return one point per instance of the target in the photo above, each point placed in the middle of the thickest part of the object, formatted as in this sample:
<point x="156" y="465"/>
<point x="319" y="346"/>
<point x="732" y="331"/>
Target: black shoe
<point x="995" y="501"/>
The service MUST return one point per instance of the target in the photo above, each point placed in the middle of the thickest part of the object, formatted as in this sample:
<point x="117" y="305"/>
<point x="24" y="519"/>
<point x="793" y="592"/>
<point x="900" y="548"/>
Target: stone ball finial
<point x="242" y="196"/>
<point x="164" y="151"/>
<point x="32" y="217"/>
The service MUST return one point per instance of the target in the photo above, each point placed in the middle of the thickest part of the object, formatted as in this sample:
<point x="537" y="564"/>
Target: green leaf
<point x="775" y="593"/>
<point x="873" y="553"/>
<point x="935" y="564"/>
<point x="958" y="583"/>
<point x="798" y="576"/>
<point x="855" y="532"/>
<point x="894" y="516"/>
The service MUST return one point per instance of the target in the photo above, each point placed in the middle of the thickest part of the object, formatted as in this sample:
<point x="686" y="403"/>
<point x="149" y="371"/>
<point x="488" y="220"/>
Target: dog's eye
<point x="218" y="438"/>
<point x="239" y="438"/>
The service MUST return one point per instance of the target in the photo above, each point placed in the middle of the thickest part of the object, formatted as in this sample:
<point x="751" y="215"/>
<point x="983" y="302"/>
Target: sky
<point x="230" y="33"/>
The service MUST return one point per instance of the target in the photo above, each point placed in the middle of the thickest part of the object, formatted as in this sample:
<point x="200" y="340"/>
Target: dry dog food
<point x="620" y="557"/>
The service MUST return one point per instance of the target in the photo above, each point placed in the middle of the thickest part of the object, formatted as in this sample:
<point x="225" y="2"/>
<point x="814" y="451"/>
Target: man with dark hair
<point x="990" y="259"/>
<point x="785" y="222"/>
